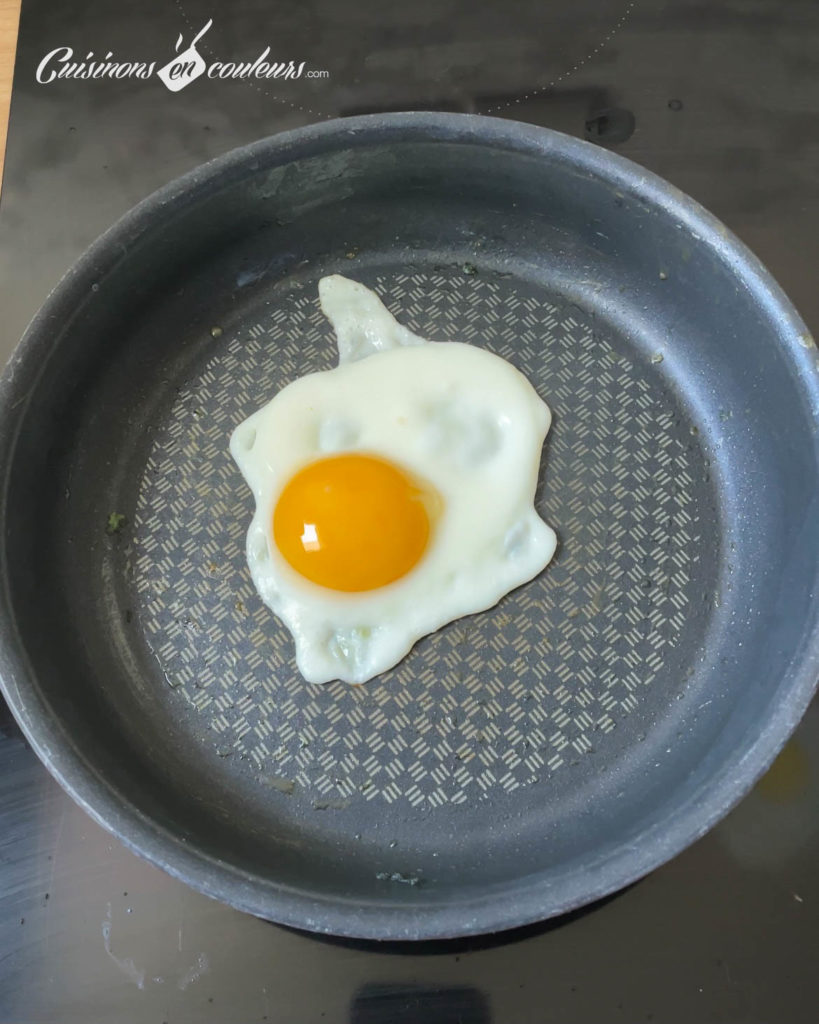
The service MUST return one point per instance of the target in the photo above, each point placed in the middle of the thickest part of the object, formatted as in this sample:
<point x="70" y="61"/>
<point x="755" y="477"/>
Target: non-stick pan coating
<point x="519" y="762"/>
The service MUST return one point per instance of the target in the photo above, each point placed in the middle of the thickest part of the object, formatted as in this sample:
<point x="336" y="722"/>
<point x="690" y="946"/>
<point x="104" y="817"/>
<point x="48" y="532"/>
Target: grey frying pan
<point x="521" y="762"/>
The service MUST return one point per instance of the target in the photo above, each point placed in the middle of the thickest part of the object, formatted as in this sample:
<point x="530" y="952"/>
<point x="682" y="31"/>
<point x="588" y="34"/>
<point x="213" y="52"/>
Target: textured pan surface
<point x="519" y="762"/>
<point x="499" y="700"/>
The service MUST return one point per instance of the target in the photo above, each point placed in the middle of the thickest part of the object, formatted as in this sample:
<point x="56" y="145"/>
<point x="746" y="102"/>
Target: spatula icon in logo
<point x="185" y="67"/>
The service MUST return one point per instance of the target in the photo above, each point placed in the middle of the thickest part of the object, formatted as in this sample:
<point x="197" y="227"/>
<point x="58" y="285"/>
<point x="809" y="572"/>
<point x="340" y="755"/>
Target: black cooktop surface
<point x="720" y="98"/>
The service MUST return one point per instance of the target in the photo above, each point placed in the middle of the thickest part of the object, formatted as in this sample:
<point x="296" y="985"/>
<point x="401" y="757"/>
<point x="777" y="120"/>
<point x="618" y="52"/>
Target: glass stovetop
<point x="723" y="100"/>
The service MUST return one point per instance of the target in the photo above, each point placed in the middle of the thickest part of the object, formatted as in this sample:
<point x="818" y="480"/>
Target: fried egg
<point x="393" y="493"/>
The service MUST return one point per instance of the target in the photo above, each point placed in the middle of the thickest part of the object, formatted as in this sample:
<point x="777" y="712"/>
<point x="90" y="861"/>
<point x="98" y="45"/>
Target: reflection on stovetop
<point x="409" y="1004"/>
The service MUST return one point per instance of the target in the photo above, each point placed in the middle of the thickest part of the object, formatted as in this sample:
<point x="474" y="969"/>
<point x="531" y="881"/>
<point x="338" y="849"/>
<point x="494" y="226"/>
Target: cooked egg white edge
<point x="362" y="322"/>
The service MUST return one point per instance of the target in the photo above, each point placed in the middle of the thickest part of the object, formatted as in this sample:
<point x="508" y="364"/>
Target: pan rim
<point x="388" y="920"/>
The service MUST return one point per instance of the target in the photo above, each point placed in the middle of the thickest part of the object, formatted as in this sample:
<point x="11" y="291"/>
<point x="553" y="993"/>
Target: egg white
<point x="459" y="417"/>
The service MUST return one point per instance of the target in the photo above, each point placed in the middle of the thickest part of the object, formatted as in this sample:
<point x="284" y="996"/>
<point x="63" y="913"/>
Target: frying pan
<point x="520" y="762"/>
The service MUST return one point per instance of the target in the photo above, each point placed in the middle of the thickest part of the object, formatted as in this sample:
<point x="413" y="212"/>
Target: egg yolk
<point x="353" y="522"/>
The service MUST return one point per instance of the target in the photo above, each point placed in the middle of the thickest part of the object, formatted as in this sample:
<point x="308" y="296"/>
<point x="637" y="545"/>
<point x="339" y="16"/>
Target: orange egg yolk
<point x="353" y="522"/>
